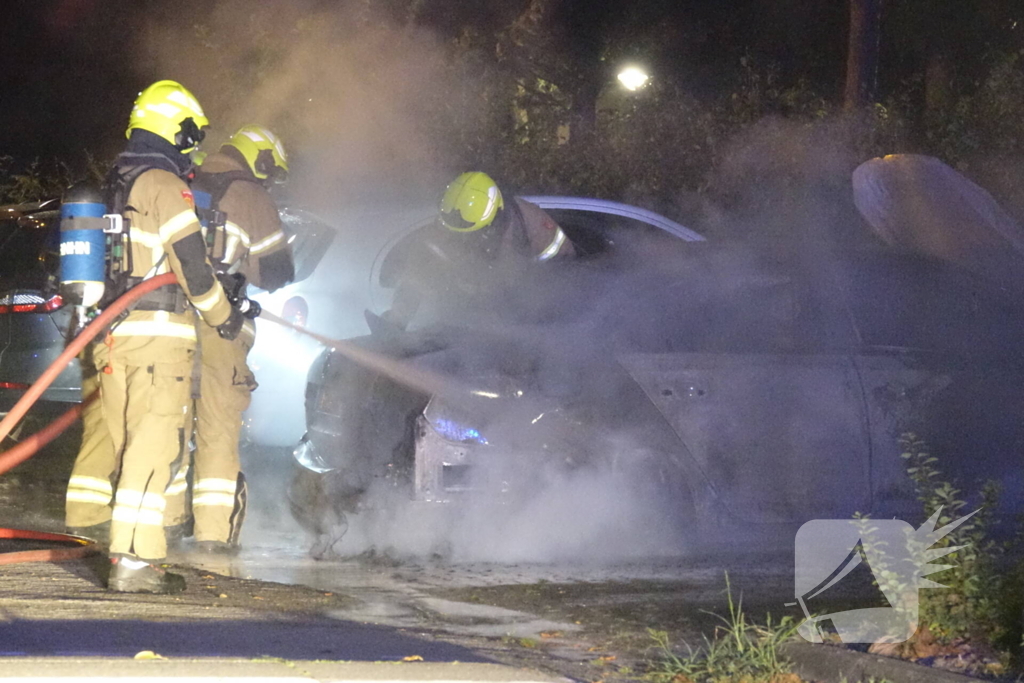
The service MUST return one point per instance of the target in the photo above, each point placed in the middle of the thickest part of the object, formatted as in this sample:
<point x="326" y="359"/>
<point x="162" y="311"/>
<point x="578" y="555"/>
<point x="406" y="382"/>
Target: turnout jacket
<point x="165" y="237"/>
<point x="531" y="236"/>
<point x="533" y="231"/>
<point x="252" y="242"/>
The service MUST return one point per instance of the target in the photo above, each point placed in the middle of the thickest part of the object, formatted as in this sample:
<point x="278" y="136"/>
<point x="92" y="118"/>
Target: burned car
<point x="744" y="385"/>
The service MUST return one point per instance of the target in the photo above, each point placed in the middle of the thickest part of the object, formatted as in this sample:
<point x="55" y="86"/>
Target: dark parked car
<point x="33" y="318"/>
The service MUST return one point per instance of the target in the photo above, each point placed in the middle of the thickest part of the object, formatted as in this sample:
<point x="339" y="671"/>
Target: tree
<point x="862" y="57"/>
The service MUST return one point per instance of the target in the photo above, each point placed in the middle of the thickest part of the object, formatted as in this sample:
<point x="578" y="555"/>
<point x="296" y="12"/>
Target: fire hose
<point x="404" y="373"/>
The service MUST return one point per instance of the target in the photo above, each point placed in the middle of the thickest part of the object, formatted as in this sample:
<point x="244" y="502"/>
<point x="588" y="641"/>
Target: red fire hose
<point x="28" y="447"/>
<point x="83" y="548"/>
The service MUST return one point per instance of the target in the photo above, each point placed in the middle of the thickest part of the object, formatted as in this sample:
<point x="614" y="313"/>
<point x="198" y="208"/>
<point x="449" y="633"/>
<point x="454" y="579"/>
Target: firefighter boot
<point x="217" y="548"/>
<point x="176" y="534"/>
<point x="130" y="574"/>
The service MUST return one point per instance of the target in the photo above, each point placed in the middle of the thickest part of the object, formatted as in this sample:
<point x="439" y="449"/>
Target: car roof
<point x="28" y="208"/>
<point x="616" y="209"/>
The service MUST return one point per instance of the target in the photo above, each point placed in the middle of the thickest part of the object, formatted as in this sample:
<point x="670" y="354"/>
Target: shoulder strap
<point x="118" y="186"/>
<point x="120" y="259"/>
<point x="213" y="219"/>
<point x="217" y="184"/>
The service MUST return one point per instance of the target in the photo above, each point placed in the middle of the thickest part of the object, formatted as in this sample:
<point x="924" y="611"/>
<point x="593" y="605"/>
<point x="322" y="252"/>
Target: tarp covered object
<point x="920" y="204"/>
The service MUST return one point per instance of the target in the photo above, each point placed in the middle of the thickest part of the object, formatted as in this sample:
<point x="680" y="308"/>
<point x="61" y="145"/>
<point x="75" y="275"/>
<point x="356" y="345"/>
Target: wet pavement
<point x="584" y="622"/>
<point x="273" y="600"/>
<point x="61" y="610"/>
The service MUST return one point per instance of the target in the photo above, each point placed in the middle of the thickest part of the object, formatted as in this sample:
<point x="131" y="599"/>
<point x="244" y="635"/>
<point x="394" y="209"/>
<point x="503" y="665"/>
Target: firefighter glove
<point x="234" y="286"/>
<point x="230" y="328"/>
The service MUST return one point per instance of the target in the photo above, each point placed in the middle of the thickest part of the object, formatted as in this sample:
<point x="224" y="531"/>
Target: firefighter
<point x="478" y="226"/>
<point x="145" y="363"/>
<point x="473" y="206"/>
<point x="246" y="241"/>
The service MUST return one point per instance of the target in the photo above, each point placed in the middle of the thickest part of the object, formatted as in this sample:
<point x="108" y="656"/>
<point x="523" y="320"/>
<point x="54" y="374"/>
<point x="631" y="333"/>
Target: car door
<point x="774" y="437"/>
<point x="760" y="389"/>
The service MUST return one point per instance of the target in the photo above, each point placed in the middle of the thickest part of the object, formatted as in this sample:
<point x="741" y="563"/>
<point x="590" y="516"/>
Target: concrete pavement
<point x="57" y="623"/>
<point x="61" y="610"/>
<point x="94" y="670"/>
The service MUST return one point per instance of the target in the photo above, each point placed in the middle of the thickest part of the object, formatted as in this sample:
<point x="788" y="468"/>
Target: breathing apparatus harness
<point x="209" y="189"/>
<point x="95" y="248"/>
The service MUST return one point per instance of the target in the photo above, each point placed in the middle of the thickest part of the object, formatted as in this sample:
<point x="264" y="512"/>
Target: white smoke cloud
<point x="345" y="88"/>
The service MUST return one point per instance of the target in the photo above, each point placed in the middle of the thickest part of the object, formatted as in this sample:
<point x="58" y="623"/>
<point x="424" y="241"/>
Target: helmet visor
<point x="453" y="220"/>
<point x="190" y="135"/>
<point x="267" y="166"/>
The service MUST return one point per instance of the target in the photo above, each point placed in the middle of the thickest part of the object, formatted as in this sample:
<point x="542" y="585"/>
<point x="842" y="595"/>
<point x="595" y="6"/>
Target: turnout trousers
<point x="145" y="387"/>
<point x="219" y="491"/>
<point x="90" y="492"/>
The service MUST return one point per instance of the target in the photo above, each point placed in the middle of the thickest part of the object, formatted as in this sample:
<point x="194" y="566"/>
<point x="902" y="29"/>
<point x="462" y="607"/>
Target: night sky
<point x="67" y="74"/>
<point x="72" y="67"/>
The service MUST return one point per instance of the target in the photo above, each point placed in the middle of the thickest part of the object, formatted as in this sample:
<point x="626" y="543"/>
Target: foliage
<point x="987" y="118"/>
<point x="38" y="181"/>
<point x="33" y="183"/>
<point x="983" y="596"/>
<point x="738" y="651"/>
<point x="512" y="91"/>
<point x="966" y="607"/>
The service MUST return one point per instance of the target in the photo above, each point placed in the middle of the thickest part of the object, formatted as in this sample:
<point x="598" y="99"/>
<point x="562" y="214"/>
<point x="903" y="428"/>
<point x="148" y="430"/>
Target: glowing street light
<point x="633" y="78"/>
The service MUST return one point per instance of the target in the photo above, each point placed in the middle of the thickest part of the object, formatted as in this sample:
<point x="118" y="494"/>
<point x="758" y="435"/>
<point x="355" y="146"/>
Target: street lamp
<point x="633" y="78"/>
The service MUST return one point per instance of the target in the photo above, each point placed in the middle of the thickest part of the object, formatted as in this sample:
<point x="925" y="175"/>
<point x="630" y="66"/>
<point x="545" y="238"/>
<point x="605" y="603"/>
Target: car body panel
<point x="36" y="341"/>
<point x="917" y="203"/>
<point x="777" y="437"/>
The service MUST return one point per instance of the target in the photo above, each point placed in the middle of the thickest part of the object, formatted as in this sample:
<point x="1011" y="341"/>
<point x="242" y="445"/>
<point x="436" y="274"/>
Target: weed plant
<point x="738" y="651"/>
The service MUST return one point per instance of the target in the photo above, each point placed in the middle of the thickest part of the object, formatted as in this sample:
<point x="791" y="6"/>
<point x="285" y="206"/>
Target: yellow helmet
<point x="169" y="110"/>
<point x="471" y="202"/>
<point x="263" y="152"/>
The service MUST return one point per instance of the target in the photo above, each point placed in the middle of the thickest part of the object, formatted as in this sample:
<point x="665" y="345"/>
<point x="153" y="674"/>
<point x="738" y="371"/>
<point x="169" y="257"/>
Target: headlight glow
<point x="453" y="431"/>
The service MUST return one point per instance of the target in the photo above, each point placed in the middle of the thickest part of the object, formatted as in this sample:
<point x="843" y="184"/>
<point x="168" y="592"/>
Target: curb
<point x="35" y="670"/>
<point x="830" y="664"/>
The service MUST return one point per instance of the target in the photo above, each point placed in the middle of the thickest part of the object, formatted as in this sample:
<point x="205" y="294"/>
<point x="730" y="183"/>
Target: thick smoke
<point x="348" y="90"/>
<point x="352" y="94"/>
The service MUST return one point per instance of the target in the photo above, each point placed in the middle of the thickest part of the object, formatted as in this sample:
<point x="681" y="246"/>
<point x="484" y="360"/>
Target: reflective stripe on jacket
<point x="544" y="238"/>
<point x="162" y="214"/>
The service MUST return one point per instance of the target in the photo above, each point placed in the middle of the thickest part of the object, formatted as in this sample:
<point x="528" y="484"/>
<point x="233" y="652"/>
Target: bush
<point x="966" y="607"/>
<point x="983" y="598"/>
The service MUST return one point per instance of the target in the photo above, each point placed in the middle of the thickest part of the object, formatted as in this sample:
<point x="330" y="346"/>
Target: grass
<point x="739" y="651"/>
